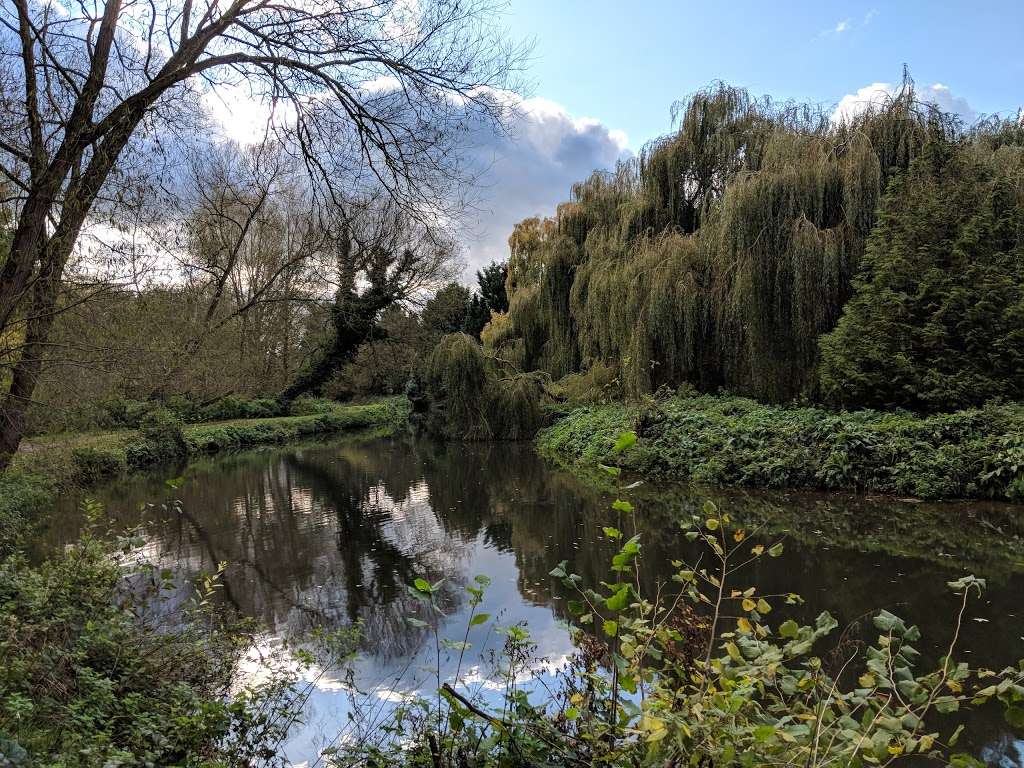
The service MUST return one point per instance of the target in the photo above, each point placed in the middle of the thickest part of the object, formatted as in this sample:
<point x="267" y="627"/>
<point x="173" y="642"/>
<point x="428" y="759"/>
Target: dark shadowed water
<point x="332" y="533"/>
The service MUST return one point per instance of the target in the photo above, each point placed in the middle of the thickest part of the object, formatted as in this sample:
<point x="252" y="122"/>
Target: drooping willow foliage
<point x="474" y="396"/>
<point x="722" y="253"/>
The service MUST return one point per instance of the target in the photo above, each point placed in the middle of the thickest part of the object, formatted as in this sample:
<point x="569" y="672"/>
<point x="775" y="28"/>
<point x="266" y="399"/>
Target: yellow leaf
<point x="739" y="534"/>
<point x="762" y="606"/>
<point x="757" y="550"/>
<point x="748" y="604"/>
<point x="733" y="651"/>
<point x="744" y="626"/>
<point x="711" y="524"/>
<point x="867" y="680"/>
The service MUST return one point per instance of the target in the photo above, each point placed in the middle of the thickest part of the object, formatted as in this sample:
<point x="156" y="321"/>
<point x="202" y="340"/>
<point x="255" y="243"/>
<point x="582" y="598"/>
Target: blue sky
<point x="605" y="74"/>
<point x="625" y="63"/>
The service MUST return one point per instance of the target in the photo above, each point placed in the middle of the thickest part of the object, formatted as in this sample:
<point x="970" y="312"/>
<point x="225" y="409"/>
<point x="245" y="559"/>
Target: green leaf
<point x="626" y="440"/>
<point x="775" y="550"/>
<point x="619" y="600"/>
<point x="572" y="713"/>
<point x="1015" y="717"/>
<point x="789" y="629"/>
<point x="611" y="628"/>
<point x="612" y="533"/>
<point x="422" y="585"/>
<point x="622" y="506"/>
<point x="480" y="618"/>
<point x="417" y="622"/>
<point x="576" y="608"/>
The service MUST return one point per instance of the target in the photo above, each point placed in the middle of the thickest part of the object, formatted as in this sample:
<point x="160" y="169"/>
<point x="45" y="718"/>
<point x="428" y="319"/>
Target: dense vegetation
<point x="724" y="253"/>
<point x="735" y="441"/>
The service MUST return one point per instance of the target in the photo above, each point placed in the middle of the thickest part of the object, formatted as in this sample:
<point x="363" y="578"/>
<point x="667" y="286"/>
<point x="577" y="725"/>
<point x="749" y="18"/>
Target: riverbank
<point x="733" y="441"/>
<point x="51" y="464"/>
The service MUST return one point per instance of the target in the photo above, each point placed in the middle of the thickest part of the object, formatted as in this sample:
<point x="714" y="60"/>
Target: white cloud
<point x="530" y="171"/>
<point x="869" y="16"/>
<point x="525" y="172"/>
<point x="842" y="26"/>
<point x="938" y="94"/>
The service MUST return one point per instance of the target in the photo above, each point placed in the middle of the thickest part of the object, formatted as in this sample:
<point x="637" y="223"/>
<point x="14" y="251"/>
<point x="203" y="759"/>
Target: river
<point x="330" y="534"/>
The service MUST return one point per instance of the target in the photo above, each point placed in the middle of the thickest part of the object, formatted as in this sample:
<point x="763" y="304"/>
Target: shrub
<point x="230" y="408"/>
<point x="472" y="400"/>
<point x="735" y="441"/>
<point x="22" y="495"/>
<point x="88" y="680"/>
<point x="94" y="464"/>
<point x="937" y="318"/>
<point x="160" y="440"/>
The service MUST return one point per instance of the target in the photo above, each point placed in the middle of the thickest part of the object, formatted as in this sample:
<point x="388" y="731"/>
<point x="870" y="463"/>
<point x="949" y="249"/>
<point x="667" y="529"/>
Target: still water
<point x="331" y="534"/>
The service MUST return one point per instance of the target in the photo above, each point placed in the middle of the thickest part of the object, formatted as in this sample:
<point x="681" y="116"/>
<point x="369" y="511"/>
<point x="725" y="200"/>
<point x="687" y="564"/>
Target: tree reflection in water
<point x="332" y="534"/>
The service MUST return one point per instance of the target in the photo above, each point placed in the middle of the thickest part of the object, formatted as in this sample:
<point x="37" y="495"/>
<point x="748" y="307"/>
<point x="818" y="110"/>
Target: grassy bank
<point x="48" y="465"/>
<point x="976" y="453"/>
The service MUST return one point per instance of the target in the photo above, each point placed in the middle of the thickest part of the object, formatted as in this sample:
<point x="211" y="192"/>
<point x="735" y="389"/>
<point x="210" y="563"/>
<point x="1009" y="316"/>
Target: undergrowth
<point x="976" y="453"/>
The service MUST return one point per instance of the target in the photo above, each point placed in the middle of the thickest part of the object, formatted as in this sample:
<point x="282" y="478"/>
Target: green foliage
<point x="23" y="495"/>
<point x="472" y="399"/>
<point x="705" y="670"/>
<point x="228" y="408"/>
<point x="489" y="297"/>
<point x="86" y="682"/>
<point x="735" y="441"/>
<point x="726" y="249"/>
<point x="445" y="311"/>
<point x="937" y="322"/>
<point x="160" y="440"/>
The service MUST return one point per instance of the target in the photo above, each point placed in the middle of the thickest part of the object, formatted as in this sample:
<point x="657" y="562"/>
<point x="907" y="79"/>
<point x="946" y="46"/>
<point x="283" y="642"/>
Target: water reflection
<point x="331" y="534"/>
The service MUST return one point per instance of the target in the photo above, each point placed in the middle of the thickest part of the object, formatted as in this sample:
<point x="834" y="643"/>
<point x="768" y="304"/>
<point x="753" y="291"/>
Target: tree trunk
<point x="25" y="374"/>
<point x="355" y="319"/>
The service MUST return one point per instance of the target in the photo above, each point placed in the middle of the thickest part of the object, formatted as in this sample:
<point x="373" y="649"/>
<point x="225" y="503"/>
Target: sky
<point x="626" y="63"/>
<point x="604" y="75"/>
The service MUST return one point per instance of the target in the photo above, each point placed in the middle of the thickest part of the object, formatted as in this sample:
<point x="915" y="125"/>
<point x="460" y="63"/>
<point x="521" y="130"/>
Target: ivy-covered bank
<point x="48" y="465"/>
<point x="718" y="440"/>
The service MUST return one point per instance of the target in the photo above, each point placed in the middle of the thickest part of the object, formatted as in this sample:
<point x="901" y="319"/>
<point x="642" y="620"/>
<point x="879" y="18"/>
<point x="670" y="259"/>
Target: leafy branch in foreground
<point x="701" y="672"/>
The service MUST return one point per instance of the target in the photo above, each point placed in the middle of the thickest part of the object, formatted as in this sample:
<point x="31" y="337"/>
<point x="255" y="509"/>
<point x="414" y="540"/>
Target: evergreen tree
<point x="937" y="318"/>
<point x="445" y="312"/>
<point x="490" y="296"/>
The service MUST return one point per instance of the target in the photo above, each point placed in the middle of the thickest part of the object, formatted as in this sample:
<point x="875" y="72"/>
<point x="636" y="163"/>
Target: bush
<point x="472" y="400"/>
<point x="229" y="408"/>
<point x="937" y="318"/>
<point x="94" y="464"/>
<point x="22" y="495"/>
<point x="86" y="681"/>
<point x="736" y="441"/>
<point x="160" y="440"/>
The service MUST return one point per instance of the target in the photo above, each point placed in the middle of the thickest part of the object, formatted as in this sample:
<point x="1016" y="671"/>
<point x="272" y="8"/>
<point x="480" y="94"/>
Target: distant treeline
<point x="770" y="250"/>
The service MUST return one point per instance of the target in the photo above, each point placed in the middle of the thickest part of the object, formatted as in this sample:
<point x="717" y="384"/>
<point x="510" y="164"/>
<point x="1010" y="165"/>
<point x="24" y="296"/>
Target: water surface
<point x="331" y="534"/>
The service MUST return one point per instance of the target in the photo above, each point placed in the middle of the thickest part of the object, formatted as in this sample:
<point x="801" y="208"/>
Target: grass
<point x="50" y="464"/>
<point x="733" y="441"/>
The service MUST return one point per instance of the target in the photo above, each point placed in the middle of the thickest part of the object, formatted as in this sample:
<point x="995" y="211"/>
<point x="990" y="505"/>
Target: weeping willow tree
<point x="474" y="396"/>
<point x="720" y="254"/>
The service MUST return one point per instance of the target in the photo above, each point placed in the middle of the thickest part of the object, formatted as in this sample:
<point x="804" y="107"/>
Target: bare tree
<point x="371" y="94"/>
